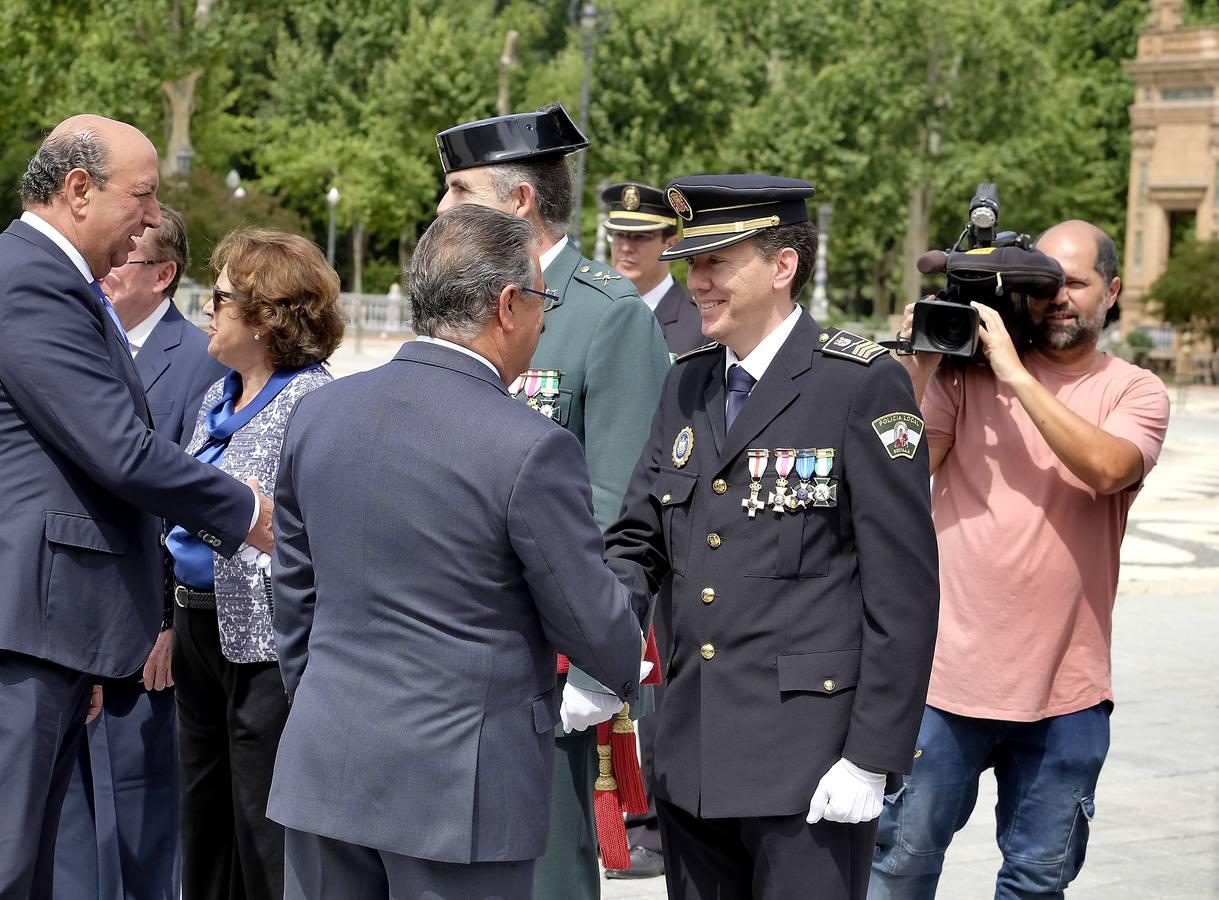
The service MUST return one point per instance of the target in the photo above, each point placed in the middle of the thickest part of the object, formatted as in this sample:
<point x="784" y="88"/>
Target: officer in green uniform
<point x="598" y="371"/>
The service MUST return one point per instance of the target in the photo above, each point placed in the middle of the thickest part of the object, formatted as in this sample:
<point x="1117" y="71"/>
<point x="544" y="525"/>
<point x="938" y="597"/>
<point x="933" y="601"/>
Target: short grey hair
<point x="59" y="154"/>
<point x="551" y="181"/>
<point x="460" y="266"/>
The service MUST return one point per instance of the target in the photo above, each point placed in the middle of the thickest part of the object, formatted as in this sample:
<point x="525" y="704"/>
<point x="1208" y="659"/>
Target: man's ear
<point x="165" y="279"/>
<point x="1115" y="289"/>
<point x="525" y="200"/>
<point x="76" y="188"/>
<point x="505" y="312"/>
<point x="786" y="261"/>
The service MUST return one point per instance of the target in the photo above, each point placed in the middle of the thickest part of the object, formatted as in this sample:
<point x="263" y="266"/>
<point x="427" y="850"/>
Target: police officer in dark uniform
<point x="597" y="371"/>
<point x="641" y="226"/>
<point x="783" y="489"/>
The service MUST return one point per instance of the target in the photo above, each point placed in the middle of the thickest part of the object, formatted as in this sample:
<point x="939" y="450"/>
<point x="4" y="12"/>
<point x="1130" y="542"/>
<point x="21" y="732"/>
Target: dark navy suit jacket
<point x="176" y="372"/>
<point x="435" y="545"/>
<point x="84" y="480"/>
<point x="680" y="320"/>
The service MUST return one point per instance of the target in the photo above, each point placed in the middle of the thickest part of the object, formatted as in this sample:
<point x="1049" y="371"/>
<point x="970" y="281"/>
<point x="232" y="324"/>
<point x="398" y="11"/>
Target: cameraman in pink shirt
<point x="1037" y="458"/>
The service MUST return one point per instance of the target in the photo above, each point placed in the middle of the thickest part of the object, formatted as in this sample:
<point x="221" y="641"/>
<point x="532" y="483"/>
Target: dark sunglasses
<point x="549" y="298"/>
<point x="219" y="296"/>
<point x="144" y="262"/>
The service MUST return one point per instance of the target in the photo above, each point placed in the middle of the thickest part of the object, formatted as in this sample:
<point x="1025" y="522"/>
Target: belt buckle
<point x="180" y="595"/>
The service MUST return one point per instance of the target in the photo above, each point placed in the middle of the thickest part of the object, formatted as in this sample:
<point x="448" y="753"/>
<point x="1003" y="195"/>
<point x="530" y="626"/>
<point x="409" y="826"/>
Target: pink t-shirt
<point x="1028" y="553"/>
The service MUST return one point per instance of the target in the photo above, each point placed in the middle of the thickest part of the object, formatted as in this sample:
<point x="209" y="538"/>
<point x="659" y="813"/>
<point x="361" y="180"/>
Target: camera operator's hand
<point x="998" y="347"/>
<point x="921" y="366"/>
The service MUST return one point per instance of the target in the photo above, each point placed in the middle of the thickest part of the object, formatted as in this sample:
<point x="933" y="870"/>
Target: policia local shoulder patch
<point x="900" y="433"/>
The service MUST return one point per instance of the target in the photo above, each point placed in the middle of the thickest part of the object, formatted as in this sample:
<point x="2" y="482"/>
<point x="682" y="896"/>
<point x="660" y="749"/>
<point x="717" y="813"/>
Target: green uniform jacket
<point x="614" y="360"/>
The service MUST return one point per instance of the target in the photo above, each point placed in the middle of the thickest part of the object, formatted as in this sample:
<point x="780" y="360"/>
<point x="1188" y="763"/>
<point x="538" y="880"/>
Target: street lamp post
<point x="332" y="201"/>
<point x="821" y="301"/>
<point x="588" y="19"/>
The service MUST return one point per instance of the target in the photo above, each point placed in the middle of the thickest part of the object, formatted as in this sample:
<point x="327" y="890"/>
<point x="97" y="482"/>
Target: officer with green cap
<point x="598" y="372"/>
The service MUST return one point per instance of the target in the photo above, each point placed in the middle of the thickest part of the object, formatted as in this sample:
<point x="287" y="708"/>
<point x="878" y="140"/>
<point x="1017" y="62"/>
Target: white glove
<point x="583" y="708"/>
<point x="847" y="793"/>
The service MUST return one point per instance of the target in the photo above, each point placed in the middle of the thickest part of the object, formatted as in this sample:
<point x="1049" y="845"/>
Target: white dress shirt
<point x="39" y="224"/>
<point x="757" y="362"/>
<point x="653" y="297"/>
<point x="138" y="334"/>
<point x="549" y="256"/>
<point x="424" y="339"/>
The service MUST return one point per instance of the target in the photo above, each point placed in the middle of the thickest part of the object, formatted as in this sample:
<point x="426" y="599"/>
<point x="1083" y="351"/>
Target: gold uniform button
<point x="666" y="498"/>
<point x="713" y="540"/>
<point x="719" y="485"/>
<point x="828" y="684"/>
<point x="708" y="595"/>
<point x="708" y="651"/>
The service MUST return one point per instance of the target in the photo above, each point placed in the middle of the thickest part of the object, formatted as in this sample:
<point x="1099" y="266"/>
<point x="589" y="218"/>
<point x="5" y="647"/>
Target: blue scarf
<point x="222" y="423"/>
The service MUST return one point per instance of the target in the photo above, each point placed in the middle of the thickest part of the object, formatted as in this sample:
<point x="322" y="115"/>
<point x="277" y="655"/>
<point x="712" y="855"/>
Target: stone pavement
<point x="1156" y="832"/>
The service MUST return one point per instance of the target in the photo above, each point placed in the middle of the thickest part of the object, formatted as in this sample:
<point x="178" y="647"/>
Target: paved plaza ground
<point x="1156" y="832"/>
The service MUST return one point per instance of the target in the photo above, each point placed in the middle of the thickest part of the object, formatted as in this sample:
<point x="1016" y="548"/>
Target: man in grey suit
<point x="123" y="798"/>
<point x="418" y="641"/>
<point x="84" y="478"/>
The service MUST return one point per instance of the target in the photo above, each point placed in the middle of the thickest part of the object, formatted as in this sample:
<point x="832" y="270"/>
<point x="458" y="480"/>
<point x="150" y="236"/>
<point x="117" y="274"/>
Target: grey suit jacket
<point x="175" y="370"/>
<point x="436" y="545"/>
<point x="84" y="481"/>
<point x="680" y="320"/>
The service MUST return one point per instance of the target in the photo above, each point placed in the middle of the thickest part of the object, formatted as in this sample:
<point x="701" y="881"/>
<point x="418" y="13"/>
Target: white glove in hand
<point x="583" y="708"/>
<point x="847" y="793"/>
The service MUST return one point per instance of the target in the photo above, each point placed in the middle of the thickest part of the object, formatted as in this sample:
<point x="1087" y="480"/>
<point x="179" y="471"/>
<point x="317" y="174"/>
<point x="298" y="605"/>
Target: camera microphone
<point x="933" y="261"/>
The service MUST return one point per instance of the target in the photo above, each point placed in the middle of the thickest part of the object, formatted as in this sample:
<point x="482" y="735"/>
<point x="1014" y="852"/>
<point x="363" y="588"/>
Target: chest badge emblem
<point x="683" y="446"/>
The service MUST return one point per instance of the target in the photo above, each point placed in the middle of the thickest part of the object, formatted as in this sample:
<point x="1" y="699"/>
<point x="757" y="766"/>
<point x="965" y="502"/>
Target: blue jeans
<point x="1046" y="773"/>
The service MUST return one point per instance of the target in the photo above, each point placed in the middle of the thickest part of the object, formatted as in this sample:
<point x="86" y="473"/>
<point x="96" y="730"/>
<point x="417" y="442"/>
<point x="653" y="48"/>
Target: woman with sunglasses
<point x="274" y="321"/>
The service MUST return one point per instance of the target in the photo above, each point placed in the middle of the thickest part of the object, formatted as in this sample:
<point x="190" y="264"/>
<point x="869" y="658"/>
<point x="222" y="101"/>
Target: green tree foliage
<point x="1188" y="292"/>
<point x="894" y="109"/>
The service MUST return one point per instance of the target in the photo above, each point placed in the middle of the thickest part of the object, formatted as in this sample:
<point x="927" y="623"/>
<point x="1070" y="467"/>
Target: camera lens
<point x="951" y="328"/>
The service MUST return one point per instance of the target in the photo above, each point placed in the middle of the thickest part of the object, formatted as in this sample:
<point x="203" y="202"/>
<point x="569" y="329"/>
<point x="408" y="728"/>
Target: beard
<point x="1083" y="330"/>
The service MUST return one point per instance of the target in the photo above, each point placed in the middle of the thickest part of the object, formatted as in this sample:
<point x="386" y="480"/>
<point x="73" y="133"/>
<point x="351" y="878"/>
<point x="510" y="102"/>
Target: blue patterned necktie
<point x="113" y="314"/>
<point x="740" y="383"/>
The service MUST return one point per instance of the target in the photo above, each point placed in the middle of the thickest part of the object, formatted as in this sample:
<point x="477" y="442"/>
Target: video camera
<point x="998" y="268"/>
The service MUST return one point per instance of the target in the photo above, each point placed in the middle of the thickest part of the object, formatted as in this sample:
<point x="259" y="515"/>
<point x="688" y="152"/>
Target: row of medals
<point x="812" y="466"/>
<point x="541" y="387"/>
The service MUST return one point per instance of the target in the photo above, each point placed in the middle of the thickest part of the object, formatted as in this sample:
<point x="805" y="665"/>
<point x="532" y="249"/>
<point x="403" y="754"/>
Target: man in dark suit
<point x="597" y="371"/>
<point x="123" y="798"/>
<point x="799" y="539"/>
<point x="417" y="641"/>
<point x="640" y="228"/>
<point x="84" y="480"/>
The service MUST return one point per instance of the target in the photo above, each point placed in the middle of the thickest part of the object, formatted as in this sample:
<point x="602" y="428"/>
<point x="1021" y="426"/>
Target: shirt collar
<point x="653" y="297"/>
<point x="757" y="362"/>
<point x="552" y="254"/>
<point x="138" y="334"/>
<point x="41" y="225"/>
<point x="424" y="339"/>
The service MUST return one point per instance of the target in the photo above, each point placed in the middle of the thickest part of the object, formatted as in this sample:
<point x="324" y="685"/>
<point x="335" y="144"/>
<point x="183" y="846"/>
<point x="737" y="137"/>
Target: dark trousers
<point x="769" y="858"/>
<point x="569" y="869"/>
<point x="321" y="868"/>
<point x="230" y="717"/>
<point x="123" y="802"/>
<point x="42" y="721"/>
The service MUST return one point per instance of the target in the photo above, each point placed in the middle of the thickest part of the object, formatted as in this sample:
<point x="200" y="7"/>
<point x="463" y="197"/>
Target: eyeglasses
<point x="144" y="262"/>
<point x="550" y="299"/>
<point x="219" y="296"/>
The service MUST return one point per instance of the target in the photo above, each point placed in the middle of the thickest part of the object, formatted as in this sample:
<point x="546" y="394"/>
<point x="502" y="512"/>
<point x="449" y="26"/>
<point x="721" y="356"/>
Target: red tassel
<point x="652" y="655"/>
<point x="611" y="830"/>
<point x="564" y="664"/>
<point x="631" y="794"/>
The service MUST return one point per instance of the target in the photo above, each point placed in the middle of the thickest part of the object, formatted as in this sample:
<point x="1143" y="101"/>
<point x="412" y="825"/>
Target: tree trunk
<point x="179" y="99"/>
<point x="507" y="60"/>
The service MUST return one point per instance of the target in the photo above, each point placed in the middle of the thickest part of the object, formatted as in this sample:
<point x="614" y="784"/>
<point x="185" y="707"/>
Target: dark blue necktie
<point x="113" y="314"/>
<point x="740" y="383"/>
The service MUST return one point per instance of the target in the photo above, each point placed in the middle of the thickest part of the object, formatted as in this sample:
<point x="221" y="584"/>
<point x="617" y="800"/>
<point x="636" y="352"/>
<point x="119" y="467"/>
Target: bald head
<point x="1079" y="234"/>
<point x="95" y="180"/>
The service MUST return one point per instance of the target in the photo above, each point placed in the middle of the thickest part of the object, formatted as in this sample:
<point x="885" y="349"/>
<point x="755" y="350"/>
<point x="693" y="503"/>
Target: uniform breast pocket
<point x="672" y="493"/>
<point x="799" y="547"/>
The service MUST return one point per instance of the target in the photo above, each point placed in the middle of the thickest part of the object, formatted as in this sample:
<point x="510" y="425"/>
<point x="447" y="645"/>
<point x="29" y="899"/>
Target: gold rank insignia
<point x="606" y="277"/>
<point x="630" y="198"/>
<point x="683" y="446"/>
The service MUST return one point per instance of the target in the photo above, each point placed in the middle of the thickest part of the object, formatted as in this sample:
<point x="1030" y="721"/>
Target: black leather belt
<point x="188" y="598"/>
